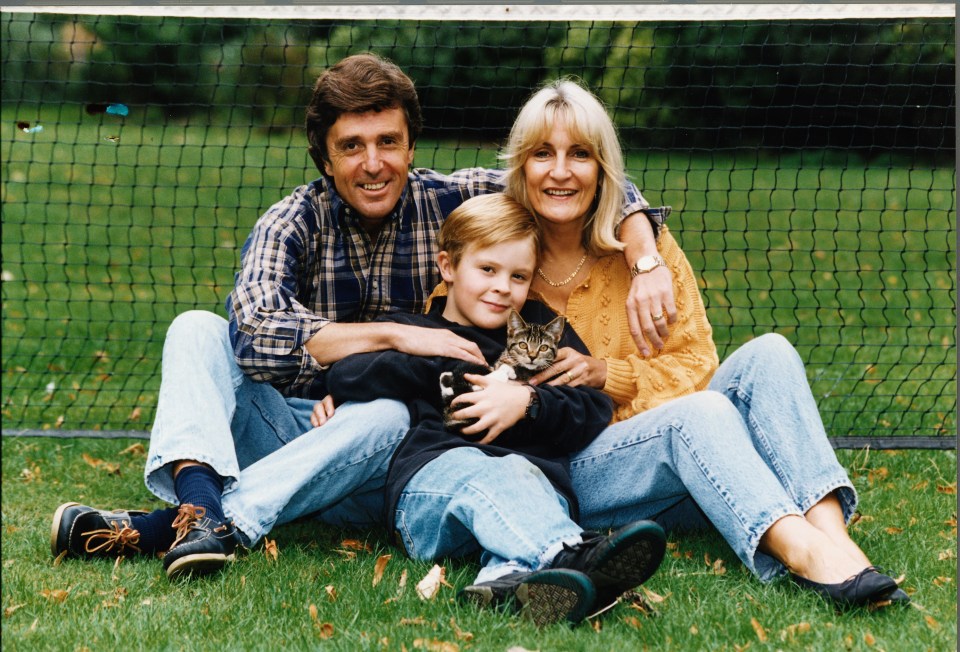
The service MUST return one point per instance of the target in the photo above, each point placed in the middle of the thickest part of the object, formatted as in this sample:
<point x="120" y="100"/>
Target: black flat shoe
<point x="867" y="586"/>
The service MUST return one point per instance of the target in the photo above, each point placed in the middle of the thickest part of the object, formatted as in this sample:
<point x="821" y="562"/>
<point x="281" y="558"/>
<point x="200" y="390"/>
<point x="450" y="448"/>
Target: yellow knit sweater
<point x="597" y="313"/>
<point x="596" y="310"/>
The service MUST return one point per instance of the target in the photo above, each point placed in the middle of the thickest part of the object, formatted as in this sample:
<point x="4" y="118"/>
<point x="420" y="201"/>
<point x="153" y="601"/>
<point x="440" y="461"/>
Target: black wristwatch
<point x="533" y="407"/>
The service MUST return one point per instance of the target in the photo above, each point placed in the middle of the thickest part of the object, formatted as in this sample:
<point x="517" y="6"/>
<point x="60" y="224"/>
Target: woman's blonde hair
<point x="565" y="102"/>
<point x="484" y="221"/>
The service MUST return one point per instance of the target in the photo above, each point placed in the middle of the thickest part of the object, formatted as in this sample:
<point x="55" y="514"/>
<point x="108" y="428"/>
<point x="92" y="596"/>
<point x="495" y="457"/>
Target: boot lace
<point x="115" y="538"/>
<point x="187" y="517"/>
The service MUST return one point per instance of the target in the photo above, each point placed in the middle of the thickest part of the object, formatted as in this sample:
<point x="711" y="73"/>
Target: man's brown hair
<point x="359" y="84"/>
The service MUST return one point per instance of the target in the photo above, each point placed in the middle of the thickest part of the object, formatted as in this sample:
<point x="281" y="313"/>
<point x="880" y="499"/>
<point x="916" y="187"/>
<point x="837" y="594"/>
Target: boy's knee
<point x="197" y="326"/>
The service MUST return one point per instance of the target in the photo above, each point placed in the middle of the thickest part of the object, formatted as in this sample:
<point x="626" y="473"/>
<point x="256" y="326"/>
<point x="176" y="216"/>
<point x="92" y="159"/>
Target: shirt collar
<point x="346" y="214"/>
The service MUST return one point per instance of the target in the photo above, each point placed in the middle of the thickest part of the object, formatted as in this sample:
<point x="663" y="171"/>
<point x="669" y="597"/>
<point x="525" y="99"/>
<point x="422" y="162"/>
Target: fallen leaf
<point x="325" y="631"/>
<point x="459" y="633"/>
<point x="134" y="449"/>
<point x="869" y="639"/>
<point x="428" y="587"/>
<point x="433" y="645"/>
<point x="947" y="554"/>
<point x="55" y="595"/>
<point x="793" y="630"/>
<point x="331" y="592"/>
<point x="314" y="614"/>
<point x="920" y="486"/>
<point x="651" y="596"/>
<point x="134" y="415"/>
<point x="940" y="581"/>
<point x="719" y="568"/>
<point x="758" y="628"/>
<point x="379" y="567"/>
<point x="59" y="559"/>
<point x="633" y="621"/>
<point x="8" y="611"/>
<point x="354" y="544"/>
<point x="59" y="422"/>
<point x="419" y="620"/>
<point x="894" y="530"/>
<point x="270" y="549"/>
<point x="346" y="554"/>
<point x="931" y="622"/>
<point x="950" y="489"/>
<point x="694" y="630"/>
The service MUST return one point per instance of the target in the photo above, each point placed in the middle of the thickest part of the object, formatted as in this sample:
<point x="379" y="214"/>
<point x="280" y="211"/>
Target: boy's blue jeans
<point x="276" y="466"/>
<point x="738" y="457"/>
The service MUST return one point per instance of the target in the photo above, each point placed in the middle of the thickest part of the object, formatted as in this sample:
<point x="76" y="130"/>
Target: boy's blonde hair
<point x="485" y="221"/>
<point x="566" y="103"/>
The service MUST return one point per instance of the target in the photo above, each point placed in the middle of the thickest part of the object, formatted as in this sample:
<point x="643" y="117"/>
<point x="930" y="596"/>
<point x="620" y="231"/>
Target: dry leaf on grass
<point x="331" y="592"/>
<point x="401" y="585"/>
<point x="459" y="633"/>
<point x="379" y="567"/>
<point x="270" y="549"/>
<point x="758" y="628"/>
<point x="8" y="611"/>
<point x="950" y="489"/>
<point x="419" y="620"/>
<point x="433" y="645"/>
<point x="354" y="544"/>
<point x="652" y="597"/>
<point x="55" y="595"/>
<point x="794" y="630"/>
<point x="134" y="449"/>
<point x="428" y="587"/>
<point x="869" y="639"/>
<point x="109" y="467"/>
<point x="932" y="622"/>
<point x="893" y="530"/>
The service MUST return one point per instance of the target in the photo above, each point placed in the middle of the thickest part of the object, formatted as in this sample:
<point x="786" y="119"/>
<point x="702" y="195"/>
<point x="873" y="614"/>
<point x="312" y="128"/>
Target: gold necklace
<point x="566" y="280"/>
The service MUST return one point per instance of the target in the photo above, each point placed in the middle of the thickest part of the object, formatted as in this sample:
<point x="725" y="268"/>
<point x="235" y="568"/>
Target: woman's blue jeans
<point x="738" y="457"/>
<point x="276" y="466"/>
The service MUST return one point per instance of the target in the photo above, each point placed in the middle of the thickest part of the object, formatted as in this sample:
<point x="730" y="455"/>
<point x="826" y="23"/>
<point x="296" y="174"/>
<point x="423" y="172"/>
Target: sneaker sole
<point x="548" y="597"/>
<point x="198" y="564"/>
<point x="632" y="560"/>
<point x="55" y="529"/>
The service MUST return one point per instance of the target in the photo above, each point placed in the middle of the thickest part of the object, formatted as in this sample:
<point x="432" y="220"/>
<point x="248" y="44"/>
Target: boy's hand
<point x="322" y="411"/>
<point x="573" y="369"/>
<point x="497" y="405"/>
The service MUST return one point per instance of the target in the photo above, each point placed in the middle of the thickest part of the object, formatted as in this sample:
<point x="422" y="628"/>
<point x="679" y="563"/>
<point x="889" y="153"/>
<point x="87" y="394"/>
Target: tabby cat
<point x="530" y="349"/>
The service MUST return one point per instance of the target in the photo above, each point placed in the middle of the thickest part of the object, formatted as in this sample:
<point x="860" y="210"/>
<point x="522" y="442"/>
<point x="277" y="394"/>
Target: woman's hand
<point x="650" y="309"/>
<point x="573" y="368"/>
<point x="322" y="411"/>
<point x="497" y="405"/>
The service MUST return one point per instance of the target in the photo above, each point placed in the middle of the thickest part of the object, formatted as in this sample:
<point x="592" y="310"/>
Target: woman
<point x="739" y="446"/>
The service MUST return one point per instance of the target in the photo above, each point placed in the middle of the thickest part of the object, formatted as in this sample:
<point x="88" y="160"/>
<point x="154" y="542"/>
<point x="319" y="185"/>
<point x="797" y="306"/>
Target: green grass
<point x="104" y="243"/>
<point x="908" y="523"/>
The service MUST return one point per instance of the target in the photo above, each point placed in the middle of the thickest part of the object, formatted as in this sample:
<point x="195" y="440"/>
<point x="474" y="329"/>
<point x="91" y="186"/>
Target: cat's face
<point x="533" y="346"/>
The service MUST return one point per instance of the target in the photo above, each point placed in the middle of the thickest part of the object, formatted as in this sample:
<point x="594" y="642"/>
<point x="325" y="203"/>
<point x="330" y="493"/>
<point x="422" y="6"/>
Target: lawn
<point x="112" y="227"/>
<point x="319" y="592"/>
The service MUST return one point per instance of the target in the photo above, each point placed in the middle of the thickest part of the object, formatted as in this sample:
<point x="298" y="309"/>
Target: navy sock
<point x="155" y="528"/>
<point x="201" y="486"/>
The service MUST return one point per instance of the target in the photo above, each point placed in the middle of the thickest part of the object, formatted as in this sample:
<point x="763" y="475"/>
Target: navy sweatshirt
<point x="569" y="418"/>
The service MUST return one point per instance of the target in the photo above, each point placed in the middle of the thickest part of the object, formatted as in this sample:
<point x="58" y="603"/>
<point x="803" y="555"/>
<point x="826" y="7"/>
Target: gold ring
<point x="657" y="317"/>
<point x="569" y="377"/>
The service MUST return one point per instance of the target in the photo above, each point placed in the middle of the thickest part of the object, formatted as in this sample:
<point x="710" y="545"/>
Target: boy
<point x="508" y="494"/>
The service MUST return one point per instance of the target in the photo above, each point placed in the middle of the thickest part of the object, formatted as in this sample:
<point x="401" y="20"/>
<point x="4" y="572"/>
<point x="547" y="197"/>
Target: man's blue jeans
<point x="276" y="466"/>
<point x="738" y="457"/>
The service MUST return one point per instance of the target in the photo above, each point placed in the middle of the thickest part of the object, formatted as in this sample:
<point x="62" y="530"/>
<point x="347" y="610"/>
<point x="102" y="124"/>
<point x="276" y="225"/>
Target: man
<point x="235" y="442"/>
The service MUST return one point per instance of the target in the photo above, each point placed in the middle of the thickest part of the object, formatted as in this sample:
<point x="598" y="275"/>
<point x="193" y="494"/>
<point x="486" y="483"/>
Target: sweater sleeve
<point x="689" y="357"/>
<point x="384" y="374"/>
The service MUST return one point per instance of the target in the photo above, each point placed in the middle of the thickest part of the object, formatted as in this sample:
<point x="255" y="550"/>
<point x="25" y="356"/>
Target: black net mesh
<point x="810" y="164"/>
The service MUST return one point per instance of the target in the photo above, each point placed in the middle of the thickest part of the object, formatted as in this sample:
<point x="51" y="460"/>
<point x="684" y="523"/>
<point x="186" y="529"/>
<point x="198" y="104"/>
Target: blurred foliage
<point x="735" y="84"/>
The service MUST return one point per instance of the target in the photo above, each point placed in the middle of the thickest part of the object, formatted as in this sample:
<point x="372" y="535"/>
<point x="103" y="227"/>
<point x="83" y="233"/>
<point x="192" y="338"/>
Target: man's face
<point x="488" y="282"/>
<point x="369" y="155"/>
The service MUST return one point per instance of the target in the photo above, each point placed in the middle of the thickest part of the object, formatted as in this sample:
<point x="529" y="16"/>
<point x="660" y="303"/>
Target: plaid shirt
<point x="308" y="262"/>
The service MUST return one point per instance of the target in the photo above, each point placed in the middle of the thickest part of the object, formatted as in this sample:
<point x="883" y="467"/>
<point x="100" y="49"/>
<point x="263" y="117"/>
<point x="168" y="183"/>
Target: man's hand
<point x="337" y="340"/>
<point x="497" y="405"/>
<point x="650" y="309"/>
<point x="322" y="411"/>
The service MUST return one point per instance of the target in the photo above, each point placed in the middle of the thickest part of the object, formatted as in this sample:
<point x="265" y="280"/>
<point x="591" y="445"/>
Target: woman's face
<point x="561" y="177"/>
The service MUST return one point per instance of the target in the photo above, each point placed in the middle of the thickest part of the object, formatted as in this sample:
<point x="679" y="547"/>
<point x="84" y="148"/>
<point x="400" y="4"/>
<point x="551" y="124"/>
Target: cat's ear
<point x="515" y="321"/>
<point x="555" y="327"/>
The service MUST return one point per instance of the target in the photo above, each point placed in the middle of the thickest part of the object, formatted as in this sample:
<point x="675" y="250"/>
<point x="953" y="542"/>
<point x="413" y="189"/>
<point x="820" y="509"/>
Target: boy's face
<point x="488" y="282"/>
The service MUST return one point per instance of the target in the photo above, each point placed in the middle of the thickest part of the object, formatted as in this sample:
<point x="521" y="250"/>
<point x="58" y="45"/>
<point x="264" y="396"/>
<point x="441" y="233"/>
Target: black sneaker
<point x="544" y="597"/>
<point x="202" y="545"/>
<point x="618" y="562"/>
<point x="83" y="531"/>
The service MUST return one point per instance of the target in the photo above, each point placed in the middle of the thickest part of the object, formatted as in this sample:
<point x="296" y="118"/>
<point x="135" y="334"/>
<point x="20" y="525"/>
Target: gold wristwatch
<point x="646" y="264"/>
